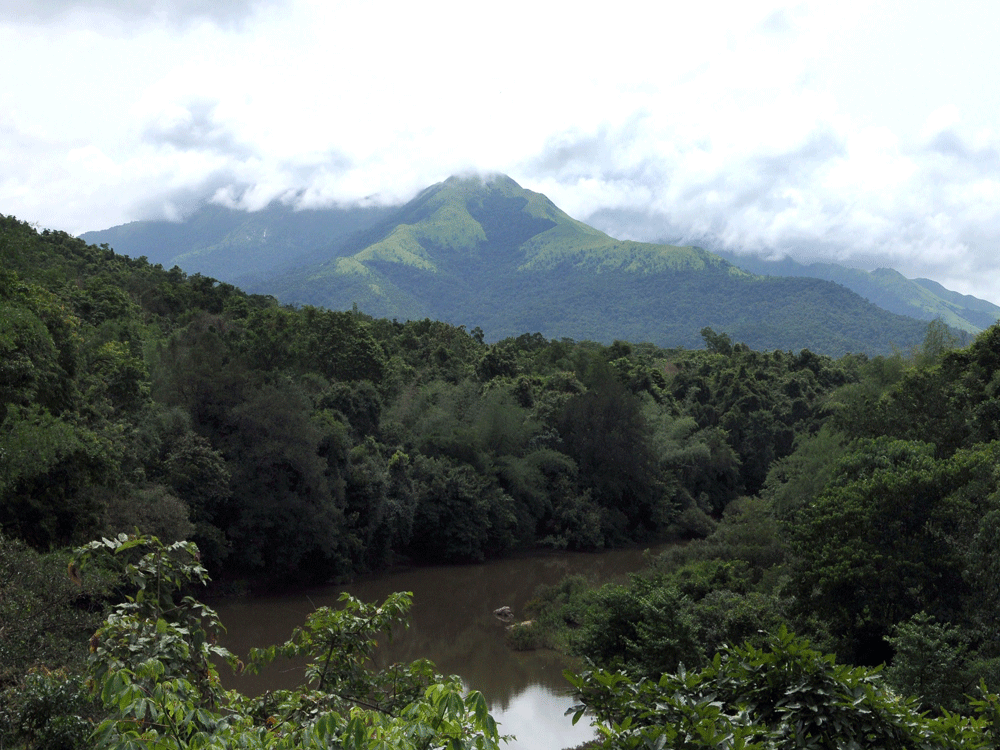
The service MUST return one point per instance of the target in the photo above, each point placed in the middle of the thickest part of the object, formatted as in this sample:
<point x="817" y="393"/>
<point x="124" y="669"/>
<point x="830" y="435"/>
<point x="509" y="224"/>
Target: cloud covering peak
<point x="863" y="133"/>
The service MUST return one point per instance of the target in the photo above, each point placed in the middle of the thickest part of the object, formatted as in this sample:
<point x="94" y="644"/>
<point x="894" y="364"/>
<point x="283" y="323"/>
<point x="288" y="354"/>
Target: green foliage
<point x="121" y="377"/>
<point x="358" y="402"/>
<point x="154" y="672"/>
<point x="929" y="662"/>
<point x="944" y="396"/>
<point x="498" y="361"/>
<point x="647" y="628"/>
<point x="759" y="400"/>
<point x="526" y="636"/>
<point x="885" y="539"/>
<point x="45" y="618"/>
<point x="198" y="475"/>
<point x="662" y="621"/>
<point x="784" y="695"/>
<point x="795" y="480"/>
<point x="48" y="711"/>
<point x="292" y="511"/>
<point x="48" y="464"/>
<point x="701" y="469"/>
<point x="751" y="533"/>
<point x="604" y="431"/>
<point x="143" y="397"/>
<point x="338" y="345"/>
<point x="28" y="357"/>
<point x="577" y="522"/>
<point x="152" y="508"/>
<point x="460" y="514"/>
<point x="717" y="343"/>
<point x="342" y="643"/>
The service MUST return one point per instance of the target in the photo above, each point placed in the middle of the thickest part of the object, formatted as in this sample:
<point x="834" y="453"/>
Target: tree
<point x="47" y="466"/>
<point x="46" y="618"/>
<point x="499" y="360"/>
<point x="784" y="696"/>
<point x="152" y="665"/>
<point x="717" y="343"/>
<point x="289" y="511"/>
<point x="887" y="538"/>
<point x="605" y="432"/>
<point x="339" y="345"/>
<point x="929" y="662"/>
<point x="460" y="514"/>
<point x="645" y="627"/>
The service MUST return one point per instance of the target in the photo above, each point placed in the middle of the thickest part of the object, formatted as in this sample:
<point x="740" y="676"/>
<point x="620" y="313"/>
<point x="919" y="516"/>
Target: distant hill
<point x="488" y="253"/>
<point x="234" y="246"/>
<point x="918" y="298"/>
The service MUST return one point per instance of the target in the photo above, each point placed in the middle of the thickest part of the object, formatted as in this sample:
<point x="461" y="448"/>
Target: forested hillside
<point x="854" y="501"/>
<point x="316" y="443"/>
<point x="918" y="298"/>
<point x="485" y="252"/>
<point x="239" y="246"/>
<point x="875" y="538"/>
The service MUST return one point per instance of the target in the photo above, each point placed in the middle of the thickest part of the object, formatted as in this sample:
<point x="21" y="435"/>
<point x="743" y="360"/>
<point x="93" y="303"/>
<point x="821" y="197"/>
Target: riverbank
<point x="452" y="624"/>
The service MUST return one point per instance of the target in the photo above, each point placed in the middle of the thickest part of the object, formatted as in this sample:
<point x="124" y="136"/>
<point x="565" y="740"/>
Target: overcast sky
<point x="865" y="133"/>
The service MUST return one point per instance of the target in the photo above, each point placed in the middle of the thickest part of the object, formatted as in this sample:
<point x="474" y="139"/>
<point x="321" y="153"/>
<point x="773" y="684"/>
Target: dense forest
<point x="853" y="501"/>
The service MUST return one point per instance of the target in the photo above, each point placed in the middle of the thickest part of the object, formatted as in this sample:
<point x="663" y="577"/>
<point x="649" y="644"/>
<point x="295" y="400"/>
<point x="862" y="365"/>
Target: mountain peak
<point x="482" y="180"/>
<point x="482" y="250"/>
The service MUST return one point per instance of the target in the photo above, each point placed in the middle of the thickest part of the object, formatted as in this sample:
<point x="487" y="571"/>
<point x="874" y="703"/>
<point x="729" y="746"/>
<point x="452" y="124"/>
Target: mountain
<point x="238" y="246"/>
<point x="488" y="253"/>
<point x="492" y="254"/>
<point x="918" y="298"/>
<point x="465" y="238"/>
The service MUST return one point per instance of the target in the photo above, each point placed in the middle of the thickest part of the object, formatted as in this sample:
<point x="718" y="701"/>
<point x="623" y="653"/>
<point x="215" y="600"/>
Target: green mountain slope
<point x="918" y="298"/>
<point x="236" y="246"/>
<point x="464" y="242"/>
<point x="489" y="253"/>
<point x="977" y="311"/>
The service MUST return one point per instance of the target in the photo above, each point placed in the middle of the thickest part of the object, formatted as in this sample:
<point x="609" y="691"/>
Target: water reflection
<point x="536" y="718"/>
<point x="453" y="625"/>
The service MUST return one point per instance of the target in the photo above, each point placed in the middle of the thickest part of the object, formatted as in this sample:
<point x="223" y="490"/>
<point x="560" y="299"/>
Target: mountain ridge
<point x="486" y="252"/>
<point x="461" y="233"/>
<point x="918" y="298"/>
<point x="229" y="244"/>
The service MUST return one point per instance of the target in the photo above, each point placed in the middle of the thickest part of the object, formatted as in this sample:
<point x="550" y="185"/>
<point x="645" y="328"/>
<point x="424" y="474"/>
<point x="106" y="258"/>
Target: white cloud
<point x="127" y="13"/>
<point x="853" y="131"/>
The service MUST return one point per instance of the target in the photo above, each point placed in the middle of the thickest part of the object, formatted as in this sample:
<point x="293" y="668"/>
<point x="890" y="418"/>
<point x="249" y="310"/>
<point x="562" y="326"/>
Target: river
<point x="453" y="625"/>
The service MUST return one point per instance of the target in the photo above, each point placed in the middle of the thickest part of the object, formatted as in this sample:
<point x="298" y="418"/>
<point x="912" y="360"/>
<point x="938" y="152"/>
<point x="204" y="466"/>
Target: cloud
<point x="833" y="191"/>
<point x="178" y="12"/>
<point x="828" y="132"/>
<point x="779" y="22"/>
<point x="195" y="126"/>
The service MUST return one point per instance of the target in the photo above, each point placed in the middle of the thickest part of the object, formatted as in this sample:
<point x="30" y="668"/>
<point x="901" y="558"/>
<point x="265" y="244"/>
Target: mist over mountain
<point x="233" y="245"/>
<point x="485" y="252"/>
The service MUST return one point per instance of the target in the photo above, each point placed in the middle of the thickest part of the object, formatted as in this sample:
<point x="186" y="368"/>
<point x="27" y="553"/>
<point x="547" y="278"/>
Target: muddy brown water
<point x="452" y="624"/>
